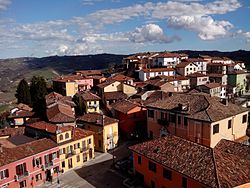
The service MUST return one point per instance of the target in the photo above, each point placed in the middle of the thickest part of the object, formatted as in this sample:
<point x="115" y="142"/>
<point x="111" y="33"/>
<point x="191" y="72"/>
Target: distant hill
<point x="14" y="69"/>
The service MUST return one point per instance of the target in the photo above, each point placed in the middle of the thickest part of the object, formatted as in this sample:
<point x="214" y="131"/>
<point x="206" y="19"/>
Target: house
<point x="166" y="59"/>
<point x="183" y="56"/>
<point x="200" y="63"/>
<point x="214" y="89"/>
<point x="181" y="83"/>
<point x="216" y="68"/>
<point x="218" y="78"/>
<point x="122" y="78"/>
<point x="186" y="67"/>
<point x="54" y="97"/>
<point x="87" y="73"/>
<point x="76" y="146"/>
<point x="197" y="79"/>
<point x="112" y="97"/>
<point x="91" y="101"/>
<point x="20" y="115"/>
<point x="197" y="117"/>
<point x="104" y="127"/>
<point x="69" y="85"/>
<point x="175" y="162"/>
<point x="116" y="86"/>
<point x="146" y="74"/>
<point x="132" y="118"/>
<point x="159" y="83"/>
<point x="29" y="164"/>
<point x="60" y="114"/>
<point x="238" y="79"/>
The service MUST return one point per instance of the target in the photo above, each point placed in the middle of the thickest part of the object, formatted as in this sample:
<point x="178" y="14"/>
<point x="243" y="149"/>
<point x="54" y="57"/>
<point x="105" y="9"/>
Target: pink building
<point x="29" y="164"/>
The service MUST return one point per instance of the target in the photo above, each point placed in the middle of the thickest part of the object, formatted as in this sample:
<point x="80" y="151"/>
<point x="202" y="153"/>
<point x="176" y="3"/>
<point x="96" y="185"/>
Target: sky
<point x="39" y="28"/>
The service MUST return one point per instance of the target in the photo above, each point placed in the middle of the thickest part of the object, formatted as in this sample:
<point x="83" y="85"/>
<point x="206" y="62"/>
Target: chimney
<point x="1" y="148"/>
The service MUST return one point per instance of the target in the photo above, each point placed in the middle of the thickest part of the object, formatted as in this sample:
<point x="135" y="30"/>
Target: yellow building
<point x="76" y="145"/>
<point x="91" y="102"/>
<point x="65" y="87"/>
<point x="105" y="128"/>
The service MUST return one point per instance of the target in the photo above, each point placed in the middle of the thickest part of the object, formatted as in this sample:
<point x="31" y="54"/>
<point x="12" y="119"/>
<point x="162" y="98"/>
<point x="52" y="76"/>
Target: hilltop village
<point x="186" y="121"/>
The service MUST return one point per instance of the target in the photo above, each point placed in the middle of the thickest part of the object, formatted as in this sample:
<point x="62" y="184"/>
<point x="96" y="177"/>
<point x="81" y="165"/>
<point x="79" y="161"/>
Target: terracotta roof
<point x="217" y="58"/>
<point x="216" y="75"/>
<point x="197" y="74"/>
<point x="10" y="155"/>
<point x="195" y="60"/>
<point x="24" y="107"/>
<point x="54" y="97"/>
<point x="97" y="119"/>
<point x="183" y="64"/>
<point x="167" y="54"/>
<point x="89" y="72"/>
<point x="225" y="166"/>
<point x="78" y="133"/>
<point x="120" y="77"/>
<point x="200" y="107"/>
<point x="123" y="106"/>
<point x="12" y="131"/>
<point x="158" y="70"/>
<point x="114" y="95"/>
<point x="88" y="96"/>
<point x="106" y="83"/>
<point x="211" y="85"/>
<point x="48" y="127"/>
<point x="60" y="113"/>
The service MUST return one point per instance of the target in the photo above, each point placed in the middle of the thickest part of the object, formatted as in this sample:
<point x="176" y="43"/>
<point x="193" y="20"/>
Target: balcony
<point x="163" y="122"/>
<point x="70" y="154"/>
<point x="48" y="165"/>
<point x="84" y="149"/>
<point x="19" y="177"/>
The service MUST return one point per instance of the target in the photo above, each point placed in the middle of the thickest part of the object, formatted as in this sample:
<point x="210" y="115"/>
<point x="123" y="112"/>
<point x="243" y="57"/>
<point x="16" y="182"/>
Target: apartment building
<point x="197" y="117"/>
<point x="90" y="101"/>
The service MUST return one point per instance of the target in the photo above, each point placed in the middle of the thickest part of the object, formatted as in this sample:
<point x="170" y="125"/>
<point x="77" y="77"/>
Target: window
<point x="38" y="177"/>
<point x="4" y="174"/>
<point x="229" y="125"/>
<point x="89" y="141"/>
<point x="61" y="137"/>
<point x="23" y="184"/>
<point x="162" y="115"/>
<point x="66" y="135"/>
<point x="21" y="169"/>
<point x="152" y="184"/>
<point x="172" y="118"/>
<point x="152" y="166"/>
<point x="63" y="164"/>
<point x="244" y="118"/>
<point x="185" y="121"/>
<point x="78" y="158"/>
<point x="167" y="174"/>
<point x="184" y="182"/>
<point x="216" y="128"/>
<point x="37" y="161"/>
<point x="139" y="159"/>
<point x="100" y="143"/>
<point x="151" y="113"/>
<point x="54" y="155"/>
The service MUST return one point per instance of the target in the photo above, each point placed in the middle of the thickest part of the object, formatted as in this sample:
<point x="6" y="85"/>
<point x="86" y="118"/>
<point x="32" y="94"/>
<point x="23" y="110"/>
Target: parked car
<point x="131" y="183"/>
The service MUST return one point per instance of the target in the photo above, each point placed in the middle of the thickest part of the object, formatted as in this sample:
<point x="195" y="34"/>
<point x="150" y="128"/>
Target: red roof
<point x="158" y="70"/>
<point x="167" y="55"/>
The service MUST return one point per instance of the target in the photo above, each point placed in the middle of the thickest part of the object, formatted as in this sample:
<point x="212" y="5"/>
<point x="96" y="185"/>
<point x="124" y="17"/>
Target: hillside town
<point x="164" y="119"/>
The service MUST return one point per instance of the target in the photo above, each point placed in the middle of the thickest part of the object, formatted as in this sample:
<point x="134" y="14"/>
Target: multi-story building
<point x="76" y="145"/>
<point x="175" y="162"/>
<point x="132" y="118"/>
<point x="238" y="79"/>
<point x="166" y="59"/>
<point x="186" y="67"/>
<point x="213" y="89"/>
<point x="197" y="117"/>
<point x="29" y="164"/>
<point x="200" y="63"/>
<point x="104" y="127"/>
<point x="91" y="101"/>
<point x="197" y="79"/>
<point x="146" y="74"/>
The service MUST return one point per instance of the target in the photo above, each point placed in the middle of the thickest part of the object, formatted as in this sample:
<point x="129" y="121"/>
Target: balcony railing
<point x="48" y="165"/>
<point x="163" y="122"/>
<point x="70" y="154"/>
<point x="19" y="177"/>
<point x="84" y="149"/>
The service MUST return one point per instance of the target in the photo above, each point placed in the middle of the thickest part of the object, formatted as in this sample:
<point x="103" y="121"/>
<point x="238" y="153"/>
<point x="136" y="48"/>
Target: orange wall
<point x="158" y="178"/>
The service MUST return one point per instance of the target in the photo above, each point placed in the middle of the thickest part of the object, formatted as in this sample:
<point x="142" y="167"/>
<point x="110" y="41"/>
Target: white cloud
<point x="206" y="27"/>
<point x="90" y="2"/>
<point x="149" y="33"/>
<point x="243" y="34"/>
<point x="4" y="4"/>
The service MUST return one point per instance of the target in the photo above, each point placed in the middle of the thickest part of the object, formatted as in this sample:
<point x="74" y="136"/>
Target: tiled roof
<point x="89" y="72"/>
<point x="12" y="131"/>
<point x="120" y="77"/>
<point x="21" y="114"/>
<point x="158" y="70"/>
<point x="54" y="97"/>
<point x="60" y="113"/>
<point x="48" y="127"/>
<point x="78" y="133"/>
<point x="238" y="72"/>
<point x="114" y="95"/>
<point x="225" y="166"/>
<point x="195" y="60"/>
<point x="106" y="83"/>
<point x="212" y="85"/>
<point x="183" y="64"/>
<point x="123" y="106"/>
<point x="167" y="54"/>
<point x="200" y="107"/>
<point x="24" y="107"/>
<point x="70" y="78"/>
<point x="97" y="119"/>
<point x="88" y="96"/>
<point x="10" y="155"/>
<point x="217" y="75"/>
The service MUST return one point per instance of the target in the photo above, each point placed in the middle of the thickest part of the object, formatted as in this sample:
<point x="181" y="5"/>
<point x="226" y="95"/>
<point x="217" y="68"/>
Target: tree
<point x="38" y="91"/>
<point x="80" y="108"/>
<point x="23" y="93"/>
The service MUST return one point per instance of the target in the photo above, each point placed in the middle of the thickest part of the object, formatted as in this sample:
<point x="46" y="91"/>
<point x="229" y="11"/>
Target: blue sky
<point x="74" y="27"/>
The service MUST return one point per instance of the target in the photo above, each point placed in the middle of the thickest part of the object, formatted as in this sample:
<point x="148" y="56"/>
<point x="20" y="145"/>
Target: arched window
<point x="61" y="137"/>
<point x="66" y="135"/>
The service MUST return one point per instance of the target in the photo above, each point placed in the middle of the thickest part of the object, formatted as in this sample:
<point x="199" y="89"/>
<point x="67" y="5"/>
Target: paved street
<point x="95" y="173"/>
